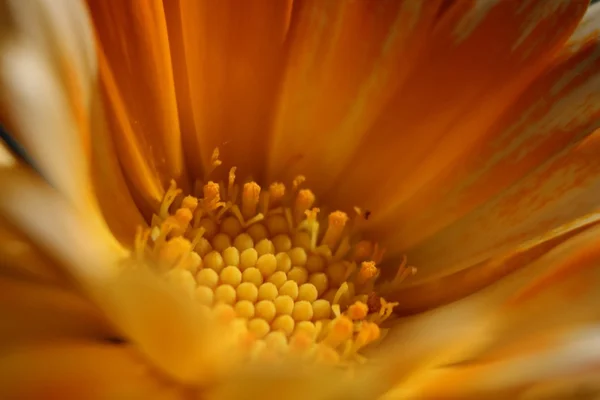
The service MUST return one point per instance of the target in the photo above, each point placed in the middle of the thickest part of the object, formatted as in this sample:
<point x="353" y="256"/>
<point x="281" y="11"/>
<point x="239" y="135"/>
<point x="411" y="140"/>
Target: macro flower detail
<point x="349" y="199"/>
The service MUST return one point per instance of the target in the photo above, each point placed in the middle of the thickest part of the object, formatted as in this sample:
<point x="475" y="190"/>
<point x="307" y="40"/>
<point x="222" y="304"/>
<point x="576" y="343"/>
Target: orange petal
<point x="136" y="75"/>
<point x="47" y="72"/>
<point x="431" y="293"/>
<point x="559" y="191"/>
<point x="110" y="187"/>
<point x="522" y="330"/>
<point x="79" y="371"/>
<point x="231" y="58"/>
<point x="567" y="354"/>
<point x="554" y="113"/>
<point x="33" y="312"/>
<point x="20" y="257"/>
<point x="480" y="57"/>
<point x="346" y="61"/>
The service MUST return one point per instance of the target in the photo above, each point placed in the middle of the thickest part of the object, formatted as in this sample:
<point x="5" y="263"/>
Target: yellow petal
<point x="137" y="80"/>
<point x="228" y="64"/>
<point x="81" y="370"/>
<point x="346" y="61"/>
<point x="47" y="70"/>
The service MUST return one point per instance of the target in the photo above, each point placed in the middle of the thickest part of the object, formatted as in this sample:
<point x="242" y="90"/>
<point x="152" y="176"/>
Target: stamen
<point x="260" y="265"/>
<point x="168" y="199"/>
<point x="250" y="198"/>
<point x="304" y="201"/>
<point x="214" y="163"/>
<point x="367" y="272"/>
<point x="337" y="222"/>
<point x="212" y="196"/>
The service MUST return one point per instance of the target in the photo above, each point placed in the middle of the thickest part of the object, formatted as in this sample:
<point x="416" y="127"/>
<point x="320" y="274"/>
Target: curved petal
<point x="33" y="312"/>
<point x="20" y="257"/>
<point x="110" y="186"/>
<point x="47" y="69"/>
<point x="346" y="61"/>
<point x="79" y="370"/>
<point x="137" y="79"/>
<point x="553" y="303"/>
<point x="562" y="189"/>
<point x="479" y="58"/>
<point x="231" y="57"/>
<point x="418" y="297"/>
<point x="555" y="112"/>
<point x="159" y="318"/>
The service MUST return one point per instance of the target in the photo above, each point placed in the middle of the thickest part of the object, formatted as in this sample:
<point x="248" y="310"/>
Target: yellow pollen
<point x="368" y="271"/>
<point x="259" y="262"/>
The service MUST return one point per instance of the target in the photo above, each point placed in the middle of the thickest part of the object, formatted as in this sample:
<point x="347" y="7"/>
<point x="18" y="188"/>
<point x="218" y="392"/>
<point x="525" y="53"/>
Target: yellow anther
<point x="212" y="196"/>
<point x="304" y="201"/>
<point x="276" y="193"/>
<point x="357" y="311"/>
<point x="168" y="199"/>
<point x="231" y="189"/>
<point x="190" y="202"/>
<point x="340" y="330"/>
<point x="298" y="180"/>
<point x="250" y="198"/>
<point x="335" y="229"/>
<point x="363" y="250"/>
<point x="258" y="263"/>
<point x="367" y="272"/>
<point x="173" y="251"/>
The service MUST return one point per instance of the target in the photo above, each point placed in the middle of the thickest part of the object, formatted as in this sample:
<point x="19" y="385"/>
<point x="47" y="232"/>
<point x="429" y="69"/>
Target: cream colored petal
<point x="47" y="68"/>
<point x="160" y="319"/>
<point x="293" y="380"/>
<point x="80" y="370"/>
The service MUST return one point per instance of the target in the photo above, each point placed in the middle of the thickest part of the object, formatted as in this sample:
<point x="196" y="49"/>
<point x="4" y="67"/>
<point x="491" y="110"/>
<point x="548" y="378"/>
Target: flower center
<point x="263" y="259"/>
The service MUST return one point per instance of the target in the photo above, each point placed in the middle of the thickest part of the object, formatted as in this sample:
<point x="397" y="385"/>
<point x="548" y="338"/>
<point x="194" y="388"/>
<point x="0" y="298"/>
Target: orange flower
<point x="227" y="194"/>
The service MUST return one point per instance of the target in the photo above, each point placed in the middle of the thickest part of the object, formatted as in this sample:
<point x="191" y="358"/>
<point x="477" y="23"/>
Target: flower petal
<point x="77" y="371"/>
<point x="346" y="61"/>
<point x="20" y="257"/>
<point x="33" y="312"/>
<point x="137" y="79"/>
<point x="164" y="323"/>
<point x="555" y="112"/>
<point x="559" y="191"/>
<point x="417" y="297"/>
<point x="552" y="303"/>
<point x="479" y="57"/>
<point x="231" y="58"/>
<point x="110" y="186"/>
<point x="47" y="69"/>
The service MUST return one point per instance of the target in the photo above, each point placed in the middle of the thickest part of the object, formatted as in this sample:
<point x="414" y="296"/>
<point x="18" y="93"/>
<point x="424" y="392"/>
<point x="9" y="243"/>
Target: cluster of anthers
<point x="260" y="258"/>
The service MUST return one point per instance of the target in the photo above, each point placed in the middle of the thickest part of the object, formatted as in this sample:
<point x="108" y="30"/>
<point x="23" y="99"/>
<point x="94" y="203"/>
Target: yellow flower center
<point x="261" y="260"/>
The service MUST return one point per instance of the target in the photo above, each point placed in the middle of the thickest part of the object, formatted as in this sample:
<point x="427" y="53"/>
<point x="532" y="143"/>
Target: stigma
<point x="264" y="260"/>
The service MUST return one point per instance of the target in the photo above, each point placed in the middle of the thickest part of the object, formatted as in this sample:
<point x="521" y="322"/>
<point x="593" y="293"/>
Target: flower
<point x="169" y="245"/>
